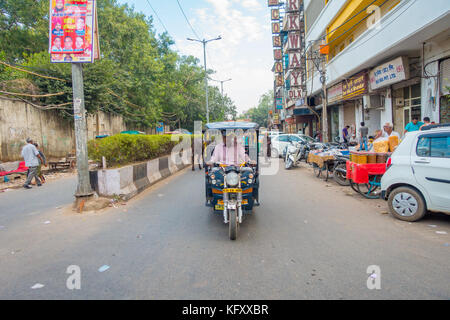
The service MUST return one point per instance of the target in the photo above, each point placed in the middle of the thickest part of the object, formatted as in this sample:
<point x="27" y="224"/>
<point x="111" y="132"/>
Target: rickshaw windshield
<point x="232" y="146"/>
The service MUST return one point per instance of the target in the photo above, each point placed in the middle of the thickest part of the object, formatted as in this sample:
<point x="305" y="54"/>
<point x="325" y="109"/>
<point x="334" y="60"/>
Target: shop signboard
<point x="276" y="28"/>
<point x="291" y="22"/>
<point x="292" y="5"/>
<point x="275" y="14"/>
<point x="277" y="54"/>
<point x="355" y="86"/>
<point x="295" y="60"/>
<point x="389" y="73"/>
<point x="276" y="41"/>
<point x="334" y="94"/>
<point x="278" y="67"/>
<point x="295" y="93"/>
<point x="73" y="37"/>
<point x="293" y="42"/>
<point x="273" y="3"/>
<point x="279" y="103"/>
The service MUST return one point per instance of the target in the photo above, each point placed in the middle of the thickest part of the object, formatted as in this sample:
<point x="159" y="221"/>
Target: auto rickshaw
<point x="232" y="189"/>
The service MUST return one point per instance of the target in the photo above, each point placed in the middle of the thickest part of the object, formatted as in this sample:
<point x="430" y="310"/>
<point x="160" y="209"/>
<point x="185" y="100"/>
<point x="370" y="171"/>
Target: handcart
<point x="365" y="178"/>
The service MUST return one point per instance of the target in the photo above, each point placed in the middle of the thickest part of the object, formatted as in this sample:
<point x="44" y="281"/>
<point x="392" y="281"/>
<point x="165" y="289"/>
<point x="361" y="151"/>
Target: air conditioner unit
<point x="375" y="102"/>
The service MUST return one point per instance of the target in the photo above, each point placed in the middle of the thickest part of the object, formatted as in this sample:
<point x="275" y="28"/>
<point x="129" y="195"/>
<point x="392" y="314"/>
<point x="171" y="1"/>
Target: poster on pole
<point x="72" y="34"/>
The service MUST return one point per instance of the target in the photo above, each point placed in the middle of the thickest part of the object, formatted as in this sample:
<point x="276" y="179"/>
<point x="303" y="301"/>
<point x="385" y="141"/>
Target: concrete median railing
<point x="127" y="182"/>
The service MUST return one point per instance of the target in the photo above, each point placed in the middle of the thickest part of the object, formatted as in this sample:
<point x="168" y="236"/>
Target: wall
<point x="19" y="121"/>
<point x="435" y="49"/>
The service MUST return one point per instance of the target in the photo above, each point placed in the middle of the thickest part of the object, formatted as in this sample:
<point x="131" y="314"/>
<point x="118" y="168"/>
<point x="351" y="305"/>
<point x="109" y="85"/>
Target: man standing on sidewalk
<point x="31" y="156"/>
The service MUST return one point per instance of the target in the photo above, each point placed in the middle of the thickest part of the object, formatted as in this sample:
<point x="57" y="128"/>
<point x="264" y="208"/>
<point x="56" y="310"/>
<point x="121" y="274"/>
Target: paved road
<point x="308" y="240"/>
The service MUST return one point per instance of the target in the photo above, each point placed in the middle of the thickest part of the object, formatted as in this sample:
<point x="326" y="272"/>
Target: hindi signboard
<point x="389" y="73"/>
<point x="72" y="29"/>
<point x="355" y="86"/>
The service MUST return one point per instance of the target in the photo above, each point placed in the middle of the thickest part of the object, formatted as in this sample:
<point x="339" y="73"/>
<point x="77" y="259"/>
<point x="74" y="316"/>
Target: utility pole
<point x="204" y="42"/>
<point x="323" y="79"/>
<point x="84" y="190"/>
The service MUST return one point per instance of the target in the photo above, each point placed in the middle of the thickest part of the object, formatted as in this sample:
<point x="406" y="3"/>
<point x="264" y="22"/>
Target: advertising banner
<point x="71" y="34"/>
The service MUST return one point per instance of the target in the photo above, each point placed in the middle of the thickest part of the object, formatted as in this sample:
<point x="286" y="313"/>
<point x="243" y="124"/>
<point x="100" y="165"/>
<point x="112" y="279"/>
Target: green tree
<point x="260" y="113"/>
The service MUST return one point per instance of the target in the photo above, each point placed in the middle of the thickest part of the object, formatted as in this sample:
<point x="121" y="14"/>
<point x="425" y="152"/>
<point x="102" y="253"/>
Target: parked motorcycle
<point x="340" y="170"/>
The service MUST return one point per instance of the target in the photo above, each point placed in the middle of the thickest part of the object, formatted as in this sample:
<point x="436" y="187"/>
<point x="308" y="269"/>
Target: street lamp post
<point x="204" y="42"/>
<point x="221" y="84"/>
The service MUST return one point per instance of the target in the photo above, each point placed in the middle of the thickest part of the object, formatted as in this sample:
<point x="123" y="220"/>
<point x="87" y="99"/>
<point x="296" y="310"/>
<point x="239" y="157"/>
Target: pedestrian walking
<point x="31" y="156"/>
<point x="363" y="133"/>
<point x="39" y="171"/>
<point x="197" y="152"/>
<point x="346" y="134"/>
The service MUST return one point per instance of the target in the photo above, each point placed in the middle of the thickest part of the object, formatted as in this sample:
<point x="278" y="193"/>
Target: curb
<point x="127" y="182"/>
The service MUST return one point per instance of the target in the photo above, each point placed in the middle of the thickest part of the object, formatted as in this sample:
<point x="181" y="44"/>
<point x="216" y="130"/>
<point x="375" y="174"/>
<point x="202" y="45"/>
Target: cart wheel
<point x="354" y="186"/>
<point x="370" y="190"/>
<point x="233" y="224"/>
<point x="317" y="170"/>
<point x="339" y="176"/>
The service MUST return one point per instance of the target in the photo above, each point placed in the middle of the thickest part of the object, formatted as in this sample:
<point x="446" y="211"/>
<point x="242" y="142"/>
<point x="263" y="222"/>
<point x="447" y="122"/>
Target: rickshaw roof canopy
<point x="228" y="125"/>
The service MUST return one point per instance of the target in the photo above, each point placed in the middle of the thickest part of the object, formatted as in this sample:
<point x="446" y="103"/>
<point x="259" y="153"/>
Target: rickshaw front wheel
<point x="233" y="224"/>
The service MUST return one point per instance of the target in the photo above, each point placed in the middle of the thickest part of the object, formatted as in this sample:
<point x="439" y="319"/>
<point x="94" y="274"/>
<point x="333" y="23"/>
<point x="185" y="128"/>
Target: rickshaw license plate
<point x="232" y="190"/>
<point x="219" y="207"/>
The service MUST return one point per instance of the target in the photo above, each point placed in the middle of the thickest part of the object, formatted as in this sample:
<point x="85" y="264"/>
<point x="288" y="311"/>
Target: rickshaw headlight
<point x="213" y="182"/>
<point x="251" y="176"/>
<point x="232" y="179"/>
<point x="250" y="181"/>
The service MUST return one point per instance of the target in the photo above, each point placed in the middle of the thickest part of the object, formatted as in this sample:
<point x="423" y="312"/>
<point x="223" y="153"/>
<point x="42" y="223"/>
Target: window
<point x="434" y="147"/>
<point x="294" y="138"/>
<point x="283" y="138"/>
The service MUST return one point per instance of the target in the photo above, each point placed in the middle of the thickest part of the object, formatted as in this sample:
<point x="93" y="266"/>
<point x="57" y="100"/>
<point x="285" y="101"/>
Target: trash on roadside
<point x="37" y="286"/>
<point x="103" y="268"/>
<point x="139" y="236"/>
<point x="2" y="227"/>
<point x="384" y="212"/>
<point x="441" y="232"/>
<point x="432" y="225"/>
<point x="446" y="244"/>
<point x="160" y="195"/>
<point x="47" y="222"/>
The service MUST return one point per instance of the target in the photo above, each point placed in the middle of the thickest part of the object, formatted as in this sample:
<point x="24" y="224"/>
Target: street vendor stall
<point x="364" y="171"/>
<point x="323" y="162"/>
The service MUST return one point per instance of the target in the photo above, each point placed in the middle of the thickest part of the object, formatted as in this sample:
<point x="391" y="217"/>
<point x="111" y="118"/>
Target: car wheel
<point x="407" y="204"/>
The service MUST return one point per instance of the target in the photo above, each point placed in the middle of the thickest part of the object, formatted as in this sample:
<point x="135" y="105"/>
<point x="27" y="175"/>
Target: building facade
<point x="384" y="61"/>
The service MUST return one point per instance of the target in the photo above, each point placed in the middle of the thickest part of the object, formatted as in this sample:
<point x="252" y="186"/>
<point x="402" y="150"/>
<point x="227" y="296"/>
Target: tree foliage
<point x="151" y="82"/>
<point x="260" y="113"/>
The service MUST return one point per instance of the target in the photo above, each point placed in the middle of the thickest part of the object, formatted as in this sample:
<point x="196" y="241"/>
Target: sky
<point x="245" y="52"/>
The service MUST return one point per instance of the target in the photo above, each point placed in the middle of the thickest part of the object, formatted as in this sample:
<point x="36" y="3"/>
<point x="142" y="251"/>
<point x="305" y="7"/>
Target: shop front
<point x="406" y="94"/>
<point x="353" y="91"/>
<point x="335" y="105"/>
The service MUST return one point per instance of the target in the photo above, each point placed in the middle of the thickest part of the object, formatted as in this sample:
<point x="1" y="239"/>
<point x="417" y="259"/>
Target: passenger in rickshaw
<point x="230" y="155"/>
<point x="230" y="152"/>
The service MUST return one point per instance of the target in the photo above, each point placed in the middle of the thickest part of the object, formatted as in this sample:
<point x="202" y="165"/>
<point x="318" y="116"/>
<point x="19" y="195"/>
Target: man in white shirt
<point x="388" y="130"/>
<point x="31" y="156"/>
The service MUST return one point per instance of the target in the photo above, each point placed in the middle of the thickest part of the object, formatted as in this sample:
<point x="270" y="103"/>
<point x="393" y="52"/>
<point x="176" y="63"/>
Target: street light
<point x="204" y="42"/>
<point x="221" y="83"/>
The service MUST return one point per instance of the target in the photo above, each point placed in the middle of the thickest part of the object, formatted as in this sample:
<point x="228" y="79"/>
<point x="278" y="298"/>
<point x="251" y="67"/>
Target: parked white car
<point x="280" y="142"/>
<point x="418" y="176"/>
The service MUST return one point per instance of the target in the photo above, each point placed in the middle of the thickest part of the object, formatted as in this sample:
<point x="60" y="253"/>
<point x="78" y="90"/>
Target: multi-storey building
<point x="386" y="61"/>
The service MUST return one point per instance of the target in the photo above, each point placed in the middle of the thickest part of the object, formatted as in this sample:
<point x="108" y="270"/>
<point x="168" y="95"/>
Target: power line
<point x="162" y="23"/>
<point x="187" y="20"/>
<point x="157" y="16"/>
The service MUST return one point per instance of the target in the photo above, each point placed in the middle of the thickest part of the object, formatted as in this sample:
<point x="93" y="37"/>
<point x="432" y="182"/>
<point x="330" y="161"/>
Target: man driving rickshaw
<point x="231" y="172"/>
